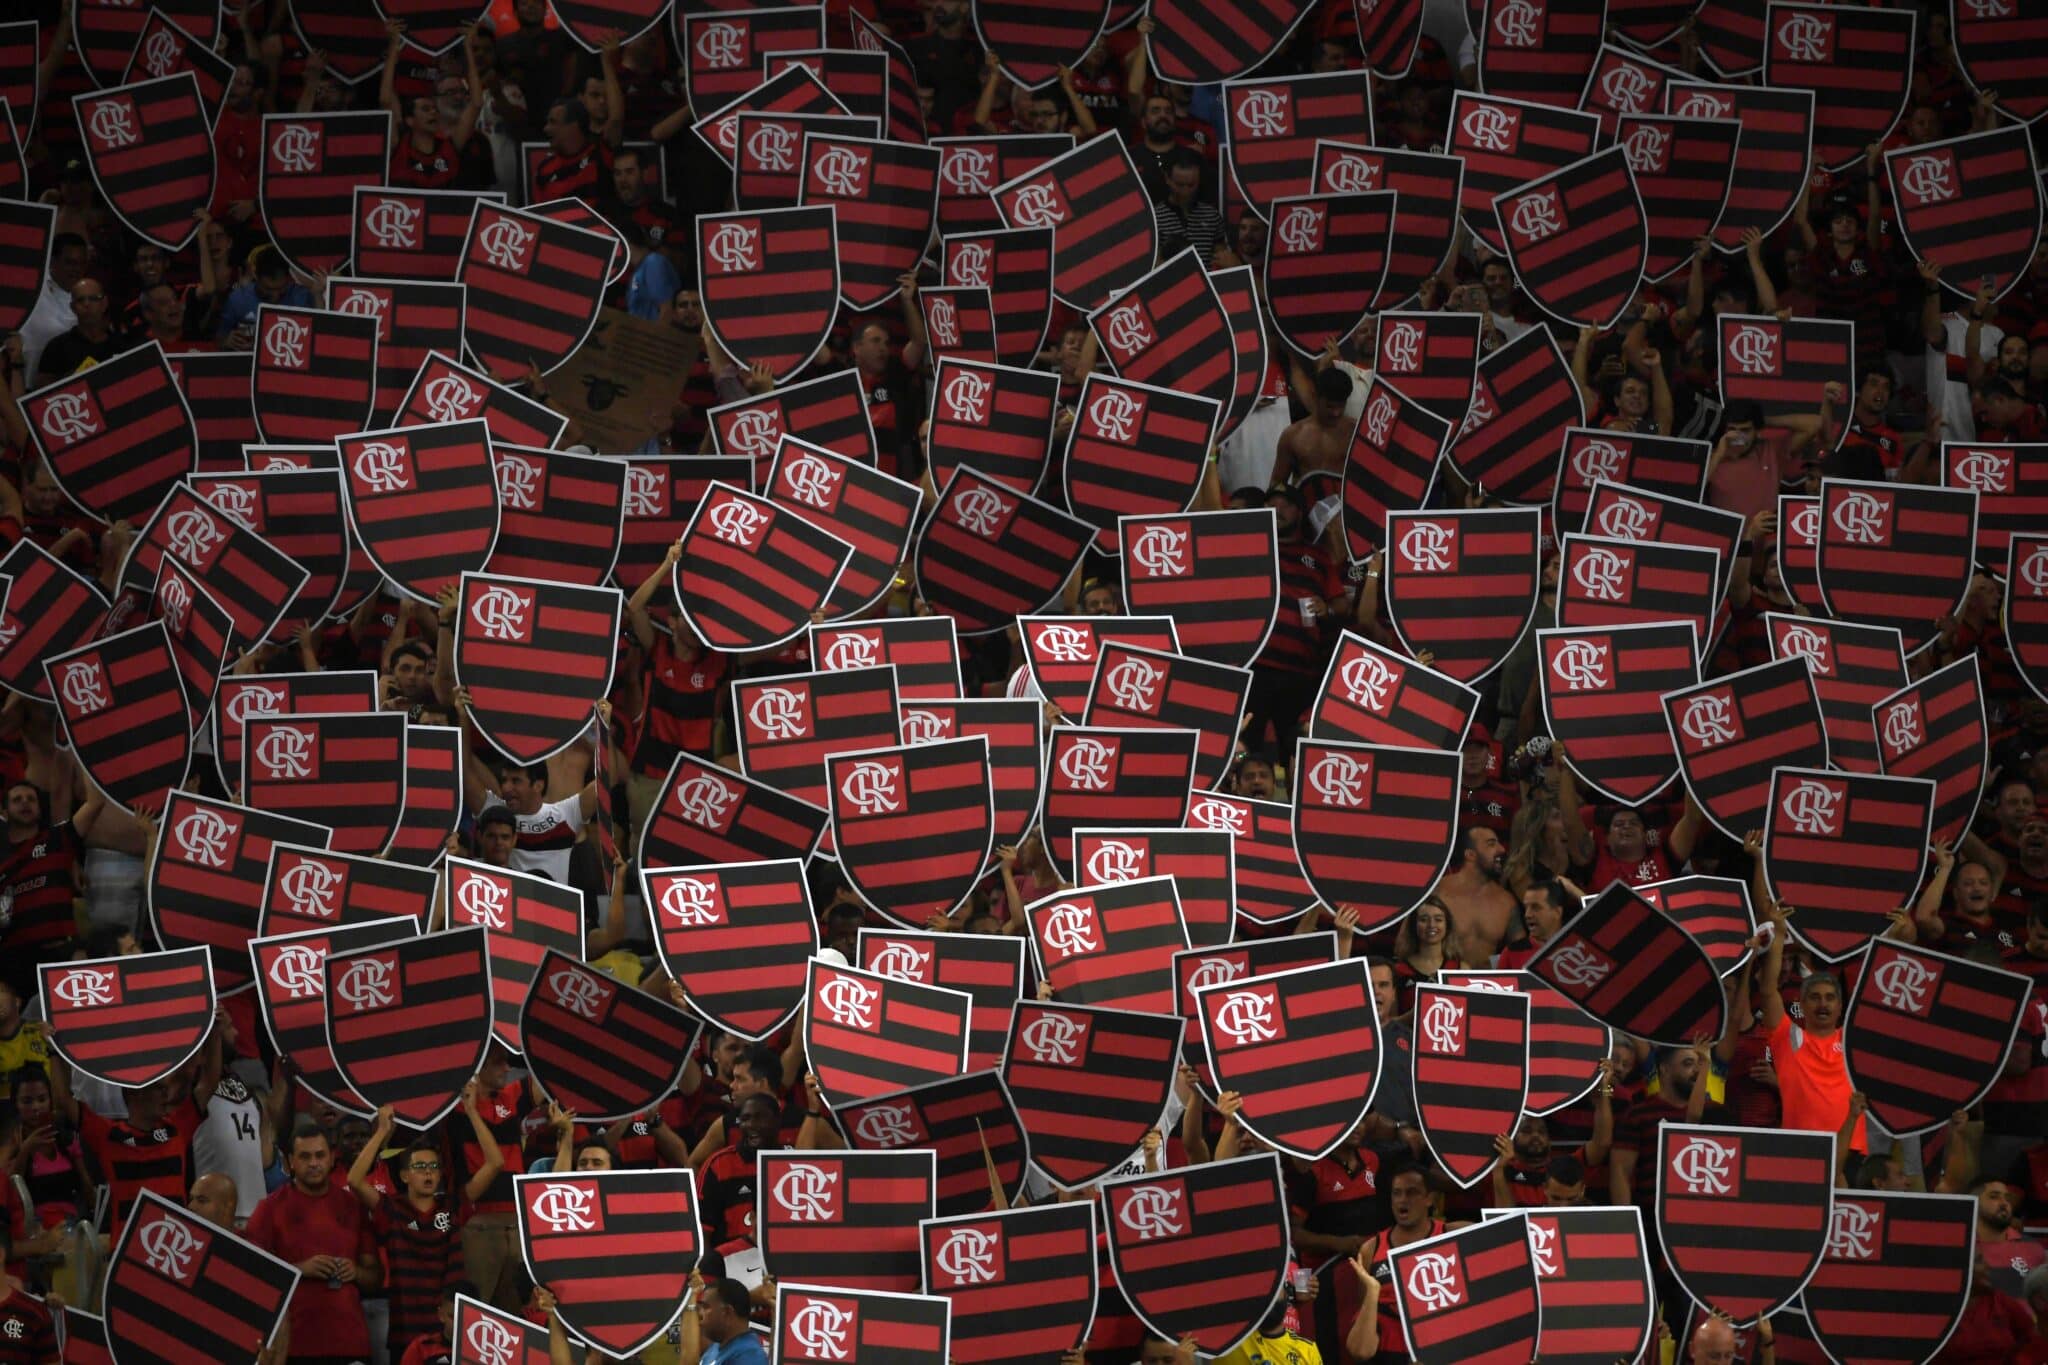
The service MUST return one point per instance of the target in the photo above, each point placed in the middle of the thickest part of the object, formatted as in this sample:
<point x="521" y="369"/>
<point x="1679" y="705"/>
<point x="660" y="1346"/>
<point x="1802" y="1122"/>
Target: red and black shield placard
<point x="1201" y="1251"/>
<point x="410" y="234"/>
<point x="1624" y="82"/>
<point x="592" y="22"/>
<point x="788" y="724"/>
<point x="1506" y="143"/>
<point x="1469" y="1295"/>
<point x="310" y="168"/>
<point x="123" y="708"/>
<point x="1204" y="44"/>
<point x="1665" y="467"/>
<point x="995" y="417"/>
<point x="1396" y="453"/>
<point x="48" y="610"/>
<point x="923" y="650"/>
<point x="315" y="376"/>
<point x="1471" y="1073"/>
<point x="1633" y="968"/>
<point x="1139" y="778"/>
<point x="1847" y="849"/>
<point x="240" y="698"/>
<point x="1858" y="64"/>
<point x="1326" y="263"/>
<point x="526" y="915"/>
<point x="534" y="286"/>
<point x="1215" y="573"/>
<point x="989" y="968"/>
<point x="752" y="572"/>
<point x="1110" y="945"/>
<point x="1602" y="692"/>
<point x="1237" y="290"/>
<point x="1088" y="1083"/>
<point x="180" y="1288"/>
<point x="1743" y="1213"/>
<point x="1784" y="364"/>
<point x="1593" y="1281"/>
<point x="866" y="1035"/>
<point x="1101" y="218"/>
<point x="343" y="771"/>
<point x="1200" y="861"/>
<point x="350" y="34"/>
<point x="1376" y="696"/>
<point x="1731" y="35"/>
<point x="615" y="1248"/>
<point x="292" y="989"/>
<point x="423" y="501"/>
<point x="912" y="826"/>
<point x="444" y="391"/>
<point x="968" y="1123"/>
<point x="844" y="1217"/>
<point x="1566" y="1046"/>
<point x="1542" y="53"/>
<point x="1622" y="512"/>
<point x="1772" y="156"/>
<point x="1271" y="127"/>
<point x="1431" y="187"/>
<point x="2011" y="482"/>
<point x="770" y="284"/>
<point x="1223" y="963"/>
<point x="1135" y="449"/>
<point x="150" y="148"/>
<point x="1578" y="239"/>
<point x="1927" y="1034"/>
<point x="536" y="657"/>
<point x="958" y="321"/>
<point x="1038" y="41"/>
<point x="433" y="795"/>
<point x="25" y="233"/>
<point x="416" y="319"/>
<point x="705" y="813"/>
<point x="1431" y="360"/>
<point x="1012" y="727"/>
<point x="1912" y="1252"/>
<point x="1302" y="1049"/>
<point x="107" y="36"/>
<point x="2026" y="610"/>
<point x="1895" y="554"/>
<point x="115" y="436"/>
<point x="989" y="554"/>
<point x="1463" y="584"/>
<point x="1373" y="825"/>
<point x="797" y="91"/>
<point x="486" y="1335"/>
<point x="249" y="576"/>
<point x="20" y="87"/>
<point x="1271" y="888"/>
<point x="1143" y="689"/>
<point x="129" y="1021"/>
<point x="830" y="412"/>
<point x="311" y="888"/>
<point x="13" y="168"/>
<point x="873" y="512"/>
<point x="1798" y="548"/>
<point x="1015" y="266"/>
<point x="201" y="634"/>
<point x="1732" y="730"/>
<point x="559" y="515"/>
<point x="206" y="881"/>
<point x="971" y="167"/>
<point x="1391" y="34"/>
<point x="1523" y="401"/>
<point x="1993" y="48"/>
<point x="409" y="1023"/>
<point x="1683" y="169"/>
<point x="1170" y="330"/>
<point x="767" y="153"/>
<point x="884" y="198"/>
<point x="1021" y="1281"/>
<point x="1970" y="203"/>
<point x="1062" y="651"/>
<point x="216" y="389"/>
<point x="575" y="1012"/>
<point x="1603" y="584"/>
<point x="722" y="49"/>
<point x="815" y="1322"/>
<point x="661" y="494"/>
<point x="1714" y="910"/>
<point x="736" y="937"/>
<point x="859" y="80"/>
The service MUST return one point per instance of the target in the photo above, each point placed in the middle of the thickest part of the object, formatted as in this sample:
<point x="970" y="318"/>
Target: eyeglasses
<point x="424" y="1166"/>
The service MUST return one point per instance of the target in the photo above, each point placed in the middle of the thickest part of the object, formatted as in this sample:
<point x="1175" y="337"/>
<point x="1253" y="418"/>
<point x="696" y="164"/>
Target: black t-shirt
<point x="63" y="356"/>
<point x="894" y="410"/>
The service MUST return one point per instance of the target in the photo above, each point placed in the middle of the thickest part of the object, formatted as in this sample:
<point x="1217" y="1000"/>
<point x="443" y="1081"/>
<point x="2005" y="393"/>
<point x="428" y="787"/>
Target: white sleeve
<point x="570" y="808"/>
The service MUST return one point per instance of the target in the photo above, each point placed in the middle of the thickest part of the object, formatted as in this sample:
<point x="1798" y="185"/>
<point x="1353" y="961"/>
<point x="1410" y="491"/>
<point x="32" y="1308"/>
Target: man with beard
<point x="948" y="58"/>
<point x="1396" y="1096"/>
<point x="1181" y="215"/>
<point x="1480" y="906"/>
<point x="1681" y="1098"/>
<point x="1530" y="1174"/>
<point x="1408" y="1196"/>
<point x="2007" y="1251"/>
<point x="316" y="1224"/>
<point x="727" y="1179"/>
<point x="1871" y="450"/>
<point x="1622" y="846"/>
<point x="1813" y="1078"/>
<point x="1159" y="138"/>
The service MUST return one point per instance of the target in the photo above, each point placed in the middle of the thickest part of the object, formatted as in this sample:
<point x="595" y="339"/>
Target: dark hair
<point x="1401" y="1168"/>
<point x="1864" y="374"/>
<point x="1566" y="1169"/>
<point x="763" y="1061"/>
<point x="30" y="1075"/>
<point x="413" y="649"/>
<point x="1746" y="411"/>
<point x="495" y="815"/>
<point x="105" y="940"/>
<point x="572" y="109"/>
<point x="268" y="264"/>
<point x="732" y="1293"/>
<point x="1260" y="756"/>
<point x="460" y="1288"/>
<point x="536" y="773"/>
<point x="1552" y="892"/>
<point x="42" y="799"/>
<point x="844" y="911"/>
<point x="633" y="152"/>
<point x="64" y="241"/>
<point x="1181" y="159"/>
<point x="1334" y="384"/>
<point x="304" y="1129"/>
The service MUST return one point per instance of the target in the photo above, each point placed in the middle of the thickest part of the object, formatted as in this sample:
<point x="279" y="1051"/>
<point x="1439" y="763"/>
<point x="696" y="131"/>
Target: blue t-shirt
<point x="243" y="301"/>
<point x="654" y="285"/>
<point x="744" y="1349"/>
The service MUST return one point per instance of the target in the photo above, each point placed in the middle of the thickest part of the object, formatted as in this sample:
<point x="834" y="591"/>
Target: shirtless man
<point x="1481" y="908"/>
<point x="1311" y="452"/>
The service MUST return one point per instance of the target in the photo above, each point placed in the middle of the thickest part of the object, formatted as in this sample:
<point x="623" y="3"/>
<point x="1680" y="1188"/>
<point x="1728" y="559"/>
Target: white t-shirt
<point x="1959" y="423"/>
<point x="546" y="836"/>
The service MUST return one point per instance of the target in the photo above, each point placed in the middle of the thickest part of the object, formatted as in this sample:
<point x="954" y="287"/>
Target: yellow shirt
<point x="27" y="1048"/>
<point x="1285" y="1349"/>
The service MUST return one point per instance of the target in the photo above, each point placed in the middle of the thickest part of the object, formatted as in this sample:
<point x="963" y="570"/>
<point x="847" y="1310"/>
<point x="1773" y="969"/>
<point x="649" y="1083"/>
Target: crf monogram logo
<point x="691" y="902"/>
<point x="1930" y="177"/>
<point x="1708" y="719"/>
<point x="1221" y="816"/>
<point x="485" y="900"/>
<point x="807" y="1193"/>
<point x="967" y="1256"/>
<point x="871" y="789"/>
<point x="720" y="47"/>
<point x="1054" y="1040"/>
<point x="84" y="686"/>
<point x="1036" y="205"/>
<point x="168" y="1247"/>
<point x="1215" y="971"/>
<point x="1804" y="642"/>
<point x="1860" y="517"/>
<point x="1134" y="685"/>
<point x="734" y="247"/>
<point x="1705" y="1166"/>
<point x="736" y="522"/>
<point x="1401" y="348"/>
<point x="756" y="432"/>
<point x="1070" y="929"/>
<point x="970" y="265"/>
<point x="1754" y="349"/>
<point x="450" y="398"/>
<point x="506" y="243"/>
<point x="850" y="650"/>
<point x="1577" y="965"/>
<point x="246" y="703"/>
<point x="236" y="502"/>
<point x="2033" y="571"/>
<point x="1518" y="23"/>
<point x="1489" y="127"/>
<point x="296" y="971"/>
<point x="1987" y="471"/>
<point x="565" y="1208"/>
<point x="1805" y="525"/>
<point x="810" y="481"/>
<point x="924" y="727"/>
<point x="194" y="536"/>
<point x="1581" y="665"/>
<point x="1813" y="807"/>
<point x="1807" y="37"/>
<point x="284" y="342"/>
<point x="1853" y="1232"/>
<point x="202" y="837"/>
<point x="1905" y="984"/>
<point x="365" y="984"/>
<point x="160" y="53"/>
<point x="1114" y="414"/>
<point x="886" y="1125"/>
<point x="296" y="148"/>
<point x="1426" y="547"/>
<point x="779" y="713"/>
<point x="1597" y="460"/>
<point x="968" y="170"/>
<point x="849" y="1001"/>
<point x="1901" y="725"/>
<point x="942" y="319"/>
<point x="1152" y="1212"/>
<point x="1367" y="682"/>
<point x="966" y="397"/>
<point x="68" y="418"/>
<point x="85" y="988"/>
<point x="1543" y="1247"/>
<point x="703" y="800"/>
<point x="1626" y="519"/>
<point x="841" y="171"/>
<point x="1989" y="9"/>
<point x="1064" y="644"/>
<point x="1433" y="1281"/>
<point x="821" y="1327"/>
<point x="1704" y="104"/>
<point x="1127" y="331"/>
<point x="1086" y="764"/>
<point x="1352" y="174"/>
<point x="772" y="147"/>
<point x="286" y="752"/>
<point x="1301" y="228"/>
<point x="381" y="467"/>
<point x="1263" y="113"/>
<point x="1115" y="861"/>
<point x="1246" y="1017"/>
<point x="492" y="1341"/>
<point x="500" y="612"/>
<point x="1340" y="780"/>
<point x="174" y="600"/>
<point x="1161" y="551"/>
<point x="980" y="509"/>
<point x="112" y="123"/>
<point x="1598" y="573"/>
<point x="393" y="224"/>
<point x="645" y="491"/>
<point x="902" y="961"/>
<point x="579" y="993"/>
<point x="1443" y="1025"/>
<point x="1647" y="147"/>
<point x="519" y="483"/>
<point x="1627" y="88"/>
